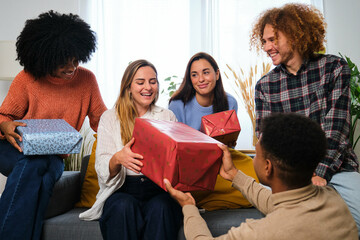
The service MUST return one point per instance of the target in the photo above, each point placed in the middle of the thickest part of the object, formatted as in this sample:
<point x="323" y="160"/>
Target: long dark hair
<point x="186" y="90"/>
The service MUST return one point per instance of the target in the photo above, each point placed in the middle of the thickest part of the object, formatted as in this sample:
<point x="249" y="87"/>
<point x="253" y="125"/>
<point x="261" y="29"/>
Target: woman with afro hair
<point x="51" y="86"/>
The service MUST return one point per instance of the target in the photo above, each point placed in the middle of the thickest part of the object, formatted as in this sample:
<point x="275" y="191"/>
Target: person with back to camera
<point x="201" y="92"/>
<point x="51" y="86"/>
<point x="287" y="153"/>
<point x="128" y="204"/>
<point x="312" y="84"/>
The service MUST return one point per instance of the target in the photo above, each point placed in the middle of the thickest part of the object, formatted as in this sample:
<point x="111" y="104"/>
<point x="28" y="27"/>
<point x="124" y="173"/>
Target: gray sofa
<point x="62" y="218"/>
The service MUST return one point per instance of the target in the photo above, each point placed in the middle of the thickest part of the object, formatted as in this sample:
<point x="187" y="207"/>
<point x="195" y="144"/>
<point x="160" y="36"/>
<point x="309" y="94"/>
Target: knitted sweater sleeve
<point x="97" y="106"/>
<point x="16" y="102"/>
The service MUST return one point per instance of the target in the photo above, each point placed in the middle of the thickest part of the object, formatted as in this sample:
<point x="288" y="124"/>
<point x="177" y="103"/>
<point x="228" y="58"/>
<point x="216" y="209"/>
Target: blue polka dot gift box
<point x="48" y="136"/>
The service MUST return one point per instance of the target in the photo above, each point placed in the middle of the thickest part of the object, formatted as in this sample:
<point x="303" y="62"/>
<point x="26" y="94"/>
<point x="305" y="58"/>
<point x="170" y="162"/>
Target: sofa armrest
<point x="65" y="194"/>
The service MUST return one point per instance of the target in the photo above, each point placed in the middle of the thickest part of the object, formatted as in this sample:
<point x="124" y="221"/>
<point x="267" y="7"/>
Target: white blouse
<point x="108" y="143"/>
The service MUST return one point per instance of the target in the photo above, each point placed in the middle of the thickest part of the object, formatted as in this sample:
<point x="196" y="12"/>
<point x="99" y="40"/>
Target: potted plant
<point x="355" y="100"/>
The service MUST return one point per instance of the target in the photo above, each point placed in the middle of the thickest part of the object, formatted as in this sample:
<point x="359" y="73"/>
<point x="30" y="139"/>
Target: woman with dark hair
<point x="201" y="92"/>
<point x="51" y="86"/>
<point x="128" y="204"/>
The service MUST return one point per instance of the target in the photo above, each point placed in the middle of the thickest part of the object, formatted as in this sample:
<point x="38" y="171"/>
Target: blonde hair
<point x="124" y="105"/>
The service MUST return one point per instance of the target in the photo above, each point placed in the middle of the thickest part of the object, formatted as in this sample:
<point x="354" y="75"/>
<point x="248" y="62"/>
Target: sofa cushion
<point x="66" y="193"/>
<point x="89" y="186"/>
<point x="224" y="195"/>
<point x="68" y="226"/>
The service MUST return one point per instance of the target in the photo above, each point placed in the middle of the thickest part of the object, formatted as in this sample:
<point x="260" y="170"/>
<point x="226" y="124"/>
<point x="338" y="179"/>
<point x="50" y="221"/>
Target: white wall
<point x="14" y="13"/>
<point x="343" y="33"/>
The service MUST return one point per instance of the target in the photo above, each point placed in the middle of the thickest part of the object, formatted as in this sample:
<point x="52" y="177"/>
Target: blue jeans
<point x="27" y="191"/>
<point x="140" y="210"/>
<point x="347" y="184"/>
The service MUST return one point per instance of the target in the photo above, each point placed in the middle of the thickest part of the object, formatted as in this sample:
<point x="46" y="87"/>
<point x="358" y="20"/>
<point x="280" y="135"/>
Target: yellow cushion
<point x="224" y="195"/>
<point x="90" y="186"/>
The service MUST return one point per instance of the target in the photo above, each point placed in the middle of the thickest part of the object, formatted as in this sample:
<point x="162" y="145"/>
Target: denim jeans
<point x="27" y="191"/>
<point x="347" y="184"/>
<point x="140" y="210"/>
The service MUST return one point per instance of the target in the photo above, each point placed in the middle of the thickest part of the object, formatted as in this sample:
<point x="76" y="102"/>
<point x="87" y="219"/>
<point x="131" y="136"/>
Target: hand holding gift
<point x="227" y="169"/>
<point x="127" y="158"/>
<point x="48" y="136"/>
<point x="181" y="197"/>
<point x="7" y="130"/>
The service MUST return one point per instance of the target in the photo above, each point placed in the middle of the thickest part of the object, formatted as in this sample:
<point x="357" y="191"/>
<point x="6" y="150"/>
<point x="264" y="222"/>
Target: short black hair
<point x="295" y="144"/>
<point x="51" y="40"/>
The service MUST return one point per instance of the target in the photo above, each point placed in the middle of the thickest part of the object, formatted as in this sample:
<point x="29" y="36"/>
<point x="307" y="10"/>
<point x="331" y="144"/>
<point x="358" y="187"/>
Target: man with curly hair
<point x="309" y="83"/>
<point x="51" y="86"/>
<point x="287" y="153"/>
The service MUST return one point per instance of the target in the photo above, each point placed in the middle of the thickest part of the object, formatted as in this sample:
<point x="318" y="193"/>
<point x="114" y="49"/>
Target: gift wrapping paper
<point x="48" y="136"/>
<point x="223" y="126"/>
<point x="188" y="158"/>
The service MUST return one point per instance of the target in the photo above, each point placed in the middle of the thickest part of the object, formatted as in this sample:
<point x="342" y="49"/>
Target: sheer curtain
<point x="156" y="30"/>
<point x="168" y="33"/>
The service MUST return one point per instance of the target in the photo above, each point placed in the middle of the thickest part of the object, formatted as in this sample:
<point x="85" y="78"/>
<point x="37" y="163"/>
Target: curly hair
<point x="51" y="40"/>
<point x="302" y="24"/>
<point x="295" y="144"/>
<point x="187" y="91"/>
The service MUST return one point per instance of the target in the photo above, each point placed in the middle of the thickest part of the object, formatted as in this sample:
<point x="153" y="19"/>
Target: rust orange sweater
<point x="54" y="98"/>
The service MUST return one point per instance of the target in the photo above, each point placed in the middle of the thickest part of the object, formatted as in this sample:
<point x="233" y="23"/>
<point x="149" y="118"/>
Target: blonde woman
<point x="129" y="205"/>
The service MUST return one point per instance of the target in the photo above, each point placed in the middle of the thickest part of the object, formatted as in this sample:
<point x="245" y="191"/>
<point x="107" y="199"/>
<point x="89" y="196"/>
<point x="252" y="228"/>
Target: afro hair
<point x="51" y="40"/>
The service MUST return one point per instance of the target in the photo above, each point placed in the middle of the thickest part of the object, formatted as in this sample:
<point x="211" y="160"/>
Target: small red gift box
<point x="223" y="126"/>
<point x="188" y="158"/>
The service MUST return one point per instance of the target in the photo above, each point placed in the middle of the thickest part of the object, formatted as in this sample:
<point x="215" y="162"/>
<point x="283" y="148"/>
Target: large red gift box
<point x="188" y="158"/>
<point x="223" y="126"/>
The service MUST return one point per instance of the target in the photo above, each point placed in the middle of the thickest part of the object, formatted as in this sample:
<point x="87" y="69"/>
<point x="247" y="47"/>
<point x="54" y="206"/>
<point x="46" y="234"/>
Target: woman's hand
<point x="126" y="158"/>
<point x="8" y="131"/>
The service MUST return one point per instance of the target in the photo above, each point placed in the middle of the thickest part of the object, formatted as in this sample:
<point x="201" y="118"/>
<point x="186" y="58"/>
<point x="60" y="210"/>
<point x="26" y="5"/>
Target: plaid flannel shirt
<point x="321" y="91"/>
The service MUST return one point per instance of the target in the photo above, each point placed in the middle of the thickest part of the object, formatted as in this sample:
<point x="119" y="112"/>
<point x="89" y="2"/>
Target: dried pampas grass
<point x="246" y="87"/>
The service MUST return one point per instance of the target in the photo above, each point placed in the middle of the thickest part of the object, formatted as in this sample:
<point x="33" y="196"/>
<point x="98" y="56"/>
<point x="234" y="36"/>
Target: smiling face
<point x="144" y="88"/>
<point x="203" y="78"/>
<point x="66" y="71"/>
<point x="280" y="51"/>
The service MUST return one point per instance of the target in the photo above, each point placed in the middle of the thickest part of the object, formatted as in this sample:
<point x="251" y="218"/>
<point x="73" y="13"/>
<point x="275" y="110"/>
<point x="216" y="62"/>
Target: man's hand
<point x="227" y="169"/>
<point x="8" y="130"/>
<point x="319" y="181"/>
<point x="182" y="198"/>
